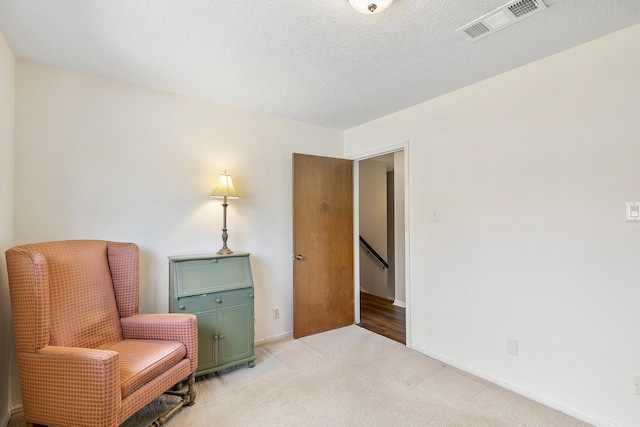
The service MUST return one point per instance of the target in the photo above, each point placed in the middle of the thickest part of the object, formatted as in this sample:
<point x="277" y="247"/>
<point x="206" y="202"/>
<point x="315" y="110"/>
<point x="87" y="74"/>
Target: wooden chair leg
<point x="191" y="391"/>
<point x="188" y="398"/>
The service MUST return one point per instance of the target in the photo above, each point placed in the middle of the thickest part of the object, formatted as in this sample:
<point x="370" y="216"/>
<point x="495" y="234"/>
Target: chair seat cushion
<point x="143" y="360"/>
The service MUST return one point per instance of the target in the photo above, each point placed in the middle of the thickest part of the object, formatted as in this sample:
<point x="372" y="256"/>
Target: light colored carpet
<point x="350" y="377"/>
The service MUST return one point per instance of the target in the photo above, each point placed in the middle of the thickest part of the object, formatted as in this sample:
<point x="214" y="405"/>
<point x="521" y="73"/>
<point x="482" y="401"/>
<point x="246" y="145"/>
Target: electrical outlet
<point x="276" y="313"/>
<point x="512" y="346"/>
<point x="435" y="215"/>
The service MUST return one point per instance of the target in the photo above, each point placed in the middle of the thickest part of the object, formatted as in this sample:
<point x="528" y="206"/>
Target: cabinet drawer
<point x="206" y="275"/>
<point x="193" y="304"/>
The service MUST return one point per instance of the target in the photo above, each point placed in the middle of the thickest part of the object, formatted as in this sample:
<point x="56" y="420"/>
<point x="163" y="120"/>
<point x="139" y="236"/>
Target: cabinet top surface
<point x="206" y="256"/>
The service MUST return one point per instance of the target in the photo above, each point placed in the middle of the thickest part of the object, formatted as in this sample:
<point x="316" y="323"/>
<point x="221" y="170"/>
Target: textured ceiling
<point x="316" y="61"/>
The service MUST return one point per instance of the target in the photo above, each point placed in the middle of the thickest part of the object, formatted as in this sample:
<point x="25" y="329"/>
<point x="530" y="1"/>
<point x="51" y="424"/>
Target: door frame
<point x="356" y="229"/>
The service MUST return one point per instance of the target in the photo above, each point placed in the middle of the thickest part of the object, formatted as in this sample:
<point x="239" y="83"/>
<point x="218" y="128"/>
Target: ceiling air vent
<point x="502" y="17"/>
<point x="476" y="30"/>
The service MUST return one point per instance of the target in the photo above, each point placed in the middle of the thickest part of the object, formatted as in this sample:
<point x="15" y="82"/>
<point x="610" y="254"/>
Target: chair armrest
<point x="71" y="386"/>
<point x="181" y="327"/>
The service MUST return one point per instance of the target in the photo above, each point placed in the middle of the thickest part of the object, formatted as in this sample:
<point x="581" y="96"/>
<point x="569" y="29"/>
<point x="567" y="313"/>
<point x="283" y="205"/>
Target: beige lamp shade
<point x="224" y="188"/>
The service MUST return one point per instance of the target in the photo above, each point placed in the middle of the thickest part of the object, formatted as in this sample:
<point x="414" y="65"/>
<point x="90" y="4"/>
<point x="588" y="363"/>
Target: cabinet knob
<point x="215" y="337"/>
<point x="221" y="336"/>
<point x="250" y="295"/>
<point x="218" y="300"/>
<point x="181" y="307"/>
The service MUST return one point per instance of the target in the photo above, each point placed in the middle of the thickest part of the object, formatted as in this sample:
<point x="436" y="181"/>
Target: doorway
<point x="380" y="219"/>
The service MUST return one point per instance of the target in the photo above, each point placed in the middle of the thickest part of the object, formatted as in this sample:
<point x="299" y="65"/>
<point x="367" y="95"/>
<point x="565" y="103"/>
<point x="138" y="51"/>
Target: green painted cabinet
<point x="218" y="289"/>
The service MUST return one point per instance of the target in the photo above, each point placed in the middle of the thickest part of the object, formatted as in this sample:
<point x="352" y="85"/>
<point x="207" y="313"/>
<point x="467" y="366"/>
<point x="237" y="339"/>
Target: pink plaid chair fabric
<point x="86" y="357"/>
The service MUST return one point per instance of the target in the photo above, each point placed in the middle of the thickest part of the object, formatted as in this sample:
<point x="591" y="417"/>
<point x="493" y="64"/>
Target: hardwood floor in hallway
<point x="379" y="315"/>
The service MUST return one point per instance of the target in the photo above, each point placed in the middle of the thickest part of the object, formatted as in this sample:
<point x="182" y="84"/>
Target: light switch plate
<point x="633" y="212"/>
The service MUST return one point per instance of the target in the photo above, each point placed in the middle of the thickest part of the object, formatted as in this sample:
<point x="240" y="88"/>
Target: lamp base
<point x="225" y="251"/>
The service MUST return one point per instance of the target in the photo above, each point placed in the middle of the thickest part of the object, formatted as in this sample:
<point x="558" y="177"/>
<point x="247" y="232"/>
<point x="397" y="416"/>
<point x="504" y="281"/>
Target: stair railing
<point x="375" y="254"/>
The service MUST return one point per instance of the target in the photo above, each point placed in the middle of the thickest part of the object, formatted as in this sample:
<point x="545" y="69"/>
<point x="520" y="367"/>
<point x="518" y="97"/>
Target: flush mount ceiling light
<point x="370" y="6"/>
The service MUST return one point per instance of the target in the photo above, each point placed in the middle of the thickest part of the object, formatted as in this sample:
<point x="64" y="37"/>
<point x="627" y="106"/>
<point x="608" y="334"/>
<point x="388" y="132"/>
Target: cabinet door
<point x="236" y="326"/>
<point x="207" y="325"/>
<point x="216" y="274"/>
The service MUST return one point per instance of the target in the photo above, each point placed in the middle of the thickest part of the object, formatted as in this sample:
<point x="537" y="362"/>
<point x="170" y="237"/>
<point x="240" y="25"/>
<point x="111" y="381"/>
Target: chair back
<point x="62" y="295"/>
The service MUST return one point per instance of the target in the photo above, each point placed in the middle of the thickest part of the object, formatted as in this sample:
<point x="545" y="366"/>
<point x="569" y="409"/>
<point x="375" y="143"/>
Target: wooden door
<point x="323" y="280"/>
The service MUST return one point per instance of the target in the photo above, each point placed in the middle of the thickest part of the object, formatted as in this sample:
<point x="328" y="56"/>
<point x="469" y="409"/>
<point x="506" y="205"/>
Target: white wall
<point x="530" y="170"/>
<point x="372" y="203"/>
<point x="101" y="159"/>
<point x="7" y="110"/>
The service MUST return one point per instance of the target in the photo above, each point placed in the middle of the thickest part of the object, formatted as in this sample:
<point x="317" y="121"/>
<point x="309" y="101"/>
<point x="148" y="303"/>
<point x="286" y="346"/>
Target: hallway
<point x="379" y="315"/>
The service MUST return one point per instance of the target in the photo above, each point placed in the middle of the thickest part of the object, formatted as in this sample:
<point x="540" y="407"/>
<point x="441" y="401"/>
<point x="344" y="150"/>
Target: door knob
<point x="299" y="257"/>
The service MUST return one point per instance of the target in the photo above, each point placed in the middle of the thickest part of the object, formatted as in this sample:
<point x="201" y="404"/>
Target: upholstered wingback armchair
<point x="86" y="357"/>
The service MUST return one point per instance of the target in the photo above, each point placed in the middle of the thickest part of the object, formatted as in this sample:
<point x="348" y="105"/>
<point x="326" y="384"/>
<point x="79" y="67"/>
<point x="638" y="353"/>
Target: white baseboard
<point x="398" y="303"/>
<point x="15" y="409"/>
<point x="569" y="411"/>
<point x="274" y="338"/>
